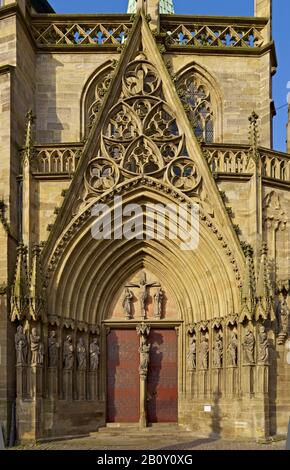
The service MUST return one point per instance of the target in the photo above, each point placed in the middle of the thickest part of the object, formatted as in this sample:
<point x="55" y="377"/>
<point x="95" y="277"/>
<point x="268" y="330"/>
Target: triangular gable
<point x="142" y="128"/>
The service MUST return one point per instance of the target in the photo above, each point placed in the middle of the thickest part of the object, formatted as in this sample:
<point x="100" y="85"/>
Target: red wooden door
<point x="162" y="377"/>
<point x="123" y="380"/>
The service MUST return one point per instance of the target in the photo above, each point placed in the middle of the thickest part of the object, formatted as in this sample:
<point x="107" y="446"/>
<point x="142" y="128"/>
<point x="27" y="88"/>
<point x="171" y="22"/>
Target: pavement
<point x="170" y="438"/>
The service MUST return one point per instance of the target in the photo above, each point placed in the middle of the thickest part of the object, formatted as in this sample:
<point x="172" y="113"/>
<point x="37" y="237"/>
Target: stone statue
<point x="21" y="347"/>
<point x="218" y="351"/>
<point x="68" y="353"/>
<point x="191" y="355"/>
<point x="158" y="303"/>
<point x="94" y="355"/>
<point x="127" y="303"/>
<point x="263" y="351"/>
<point x="143" y="294"/>
<point x="233" y="350"/>
<point x="36" y="347"/>
<point x="144" y="356"/>
<point x="284" y="316"/>
<point x="53" y="348"/>
<point x="204" y="352"/>
<point x="249" y="347"/>
<point x="81" y="354"/>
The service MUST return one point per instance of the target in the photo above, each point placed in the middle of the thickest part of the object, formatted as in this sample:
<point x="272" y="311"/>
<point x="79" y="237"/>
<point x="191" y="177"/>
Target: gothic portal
<point x="104" y="120"/>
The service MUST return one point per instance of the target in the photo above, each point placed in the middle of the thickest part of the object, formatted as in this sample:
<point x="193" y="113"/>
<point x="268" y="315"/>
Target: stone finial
<point x="254" y="134"/>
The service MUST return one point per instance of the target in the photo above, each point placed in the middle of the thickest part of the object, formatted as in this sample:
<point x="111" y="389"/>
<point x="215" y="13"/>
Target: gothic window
<point x="95" y="96"/>
<point x="197" y="100"/>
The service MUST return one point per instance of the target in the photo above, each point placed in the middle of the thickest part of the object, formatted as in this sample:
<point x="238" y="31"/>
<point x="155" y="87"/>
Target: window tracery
<point x="198" y="105"/>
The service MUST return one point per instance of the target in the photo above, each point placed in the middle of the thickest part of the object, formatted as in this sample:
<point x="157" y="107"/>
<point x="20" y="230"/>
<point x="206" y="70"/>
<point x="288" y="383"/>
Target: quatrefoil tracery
<point x="141" y="136"/>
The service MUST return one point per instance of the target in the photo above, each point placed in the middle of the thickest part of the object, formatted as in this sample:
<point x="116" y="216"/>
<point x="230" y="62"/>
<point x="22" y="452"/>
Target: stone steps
<point x="157" y="431"/>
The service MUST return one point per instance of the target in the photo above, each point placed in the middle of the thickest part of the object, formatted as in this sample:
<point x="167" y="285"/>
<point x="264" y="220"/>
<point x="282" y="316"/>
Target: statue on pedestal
<point x="218" y="351"/>
<point x="204" y="352"/>
<point x="249" y="347"/>
<point x="233" y="350"/>
<point x="158" y="303"/>
<point x="68" y="353"/>
<point x="53" y="348"/>
<point x="21" y="347"/>
<point x="263" y="346"/>
<point x="191" y="355"/>
<point x="94" y="355"/>
<point x="81" y="354"/>
<point x="37" y="349"/>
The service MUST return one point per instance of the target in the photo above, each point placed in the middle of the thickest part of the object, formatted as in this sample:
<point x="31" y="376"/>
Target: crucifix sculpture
<point x="143" y="295"/>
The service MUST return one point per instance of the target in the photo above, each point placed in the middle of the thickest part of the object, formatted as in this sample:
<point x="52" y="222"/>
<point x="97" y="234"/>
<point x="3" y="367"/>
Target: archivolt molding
<point x="130" y="190"/>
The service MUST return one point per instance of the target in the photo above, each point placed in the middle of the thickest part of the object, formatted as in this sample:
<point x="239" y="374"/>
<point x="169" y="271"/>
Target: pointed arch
<point x="210" y="109"/>
<point x="89" y="96"/>
<point x="203" y="283"/>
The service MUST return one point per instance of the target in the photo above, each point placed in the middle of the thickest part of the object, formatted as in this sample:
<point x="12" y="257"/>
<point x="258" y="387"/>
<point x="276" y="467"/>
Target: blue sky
<point x="281" y="24"/>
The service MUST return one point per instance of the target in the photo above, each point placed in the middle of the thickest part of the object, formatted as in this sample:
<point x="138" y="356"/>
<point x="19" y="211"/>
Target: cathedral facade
<point x="117" y="132"/>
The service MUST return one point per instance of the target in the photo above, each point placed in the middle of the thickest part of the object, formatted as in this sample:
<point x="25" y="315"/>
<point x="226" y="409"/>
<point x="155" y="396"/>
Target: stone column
<point x="67" y="384"/>
<point x="232" y="378"/>
<point x="21" y="381"/>
<point x="143" y="330"/>
<point x="81" y="384"/>
<point x="247" y="384"/>
<point x="53" y="382"/>
<point x="36" y="381"/>
<point x="143" y="401"/>
<point x="93" y="385"/>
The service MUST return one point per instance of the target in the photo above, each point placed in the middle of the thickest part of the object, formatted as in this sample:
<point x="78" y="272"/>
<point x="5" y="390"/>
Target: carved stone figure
<point x="21" y="347"/>
<point x="127" y="303"/>
<point x="204" y="352"/>
<point x="81" y="354"/>
<point x="158" y="302"/>
<point x="191" y="355"/>
<point x="263" y="351"/>
<point x="53" y="348"/>
<point x="68" y="353"/>
<point x="249" y="347"/>
<point x="233" y="350"/>
<point x="36" y="347"/>
<point x="143" y="294"/>
<point x="218" y="351"/>
<point x="284" y="316"/>
<point x="94" y="355"/>
<point x="144" y="356"/>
